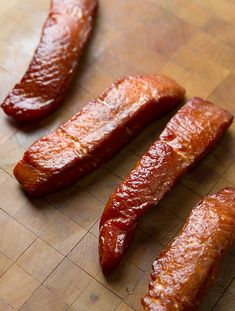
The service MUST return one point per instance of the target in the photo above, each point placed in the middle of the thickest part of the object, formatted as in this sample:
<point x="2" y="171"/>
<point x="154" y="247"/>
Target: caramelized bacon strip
<point x="97" y="132"/>
<point x="183" y="271"/>
<point x="188" y="136"/>
<point x="44" y="85"/>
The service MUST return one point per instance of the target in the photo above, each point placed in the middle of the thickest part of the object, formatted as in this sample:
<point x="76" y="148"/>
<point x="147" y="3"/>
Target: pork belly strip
<point x="97" y="132"/>
<point x="188" y="136"/>
<point x="183" y="271"/>
<point x="45" y="83"/>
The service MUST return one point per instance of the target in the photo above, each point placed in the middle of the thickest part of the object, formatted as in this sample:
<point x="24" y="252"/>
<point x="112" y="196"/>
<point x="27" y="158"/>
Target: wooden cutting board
<point x="48" y="246"/>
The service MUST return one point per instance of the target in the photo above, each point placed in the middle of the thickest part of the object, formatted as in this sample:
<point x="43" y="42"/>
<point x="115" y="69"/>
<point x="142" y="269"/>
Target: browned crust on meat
<point x="97" y="132"/>
<point x="46" y="81"/>
<point x="188" y="136"/>
<point x="183" y="271"/>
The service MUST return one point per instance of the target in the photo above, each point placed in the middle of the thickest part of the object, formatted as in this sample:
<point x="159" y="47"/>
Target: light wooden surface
<point x="48" y="247"/>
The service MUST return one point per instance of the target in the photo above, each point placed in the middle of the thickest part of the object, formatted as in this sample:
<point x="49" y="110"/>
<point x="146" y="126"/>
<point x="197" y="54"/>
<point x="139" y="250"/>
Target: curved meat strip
<point x="188" y="136"/>
<point x="97" y="132"/>
<point x="183" y="271"/>
<point x="44" y="85"/>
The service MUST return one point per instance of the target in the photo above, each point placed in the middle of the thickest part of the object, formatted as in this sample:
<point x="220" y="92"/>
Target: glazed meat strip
<point x="183" y="271"/>
<point x="188" y="136"/>
<point x="44" y="85"/>
<point x="97" y="132"/>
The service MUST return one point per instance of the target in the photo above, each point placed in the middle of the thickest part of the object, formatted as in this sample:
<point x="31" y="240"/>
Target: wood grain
<point x="191" y="41"/>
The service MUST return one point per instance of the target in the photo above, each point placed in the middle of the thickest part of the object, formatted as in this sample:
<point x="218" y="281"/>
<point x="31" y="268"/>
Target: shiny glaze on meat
<point x="51" y="70"/>
<point x="183" y="271"/>
<point x="97" y="132"/>
<point x="188" y="136"/>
